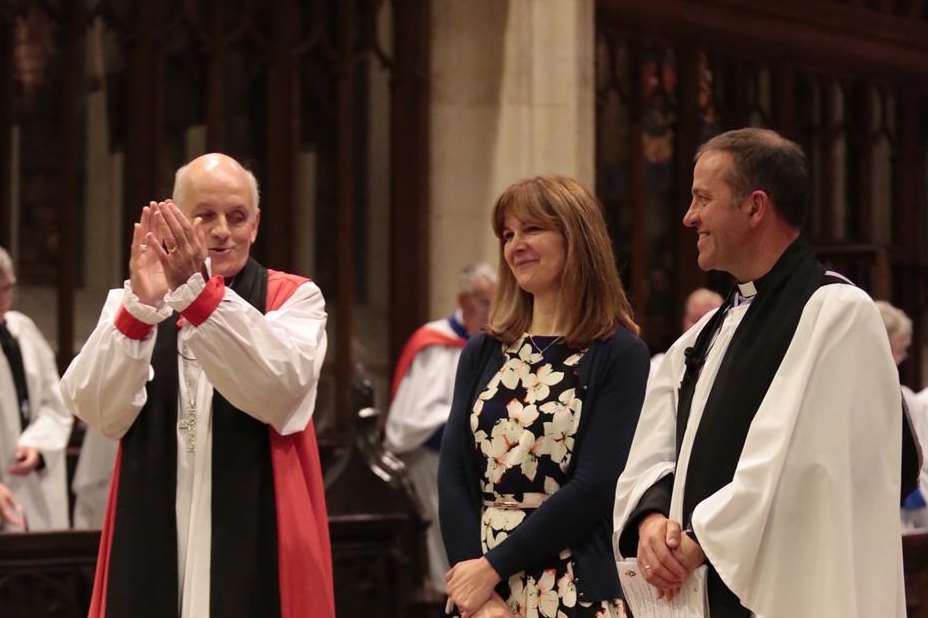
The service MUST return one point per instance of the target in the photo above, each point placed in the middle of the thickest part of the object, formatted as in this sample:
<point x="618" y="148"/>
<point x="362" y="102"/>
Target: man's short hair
<point x="6" y="265"/>
<point x="765" y="160"/>
<point x="473" y="273"/>
<point x="180" y="185"/>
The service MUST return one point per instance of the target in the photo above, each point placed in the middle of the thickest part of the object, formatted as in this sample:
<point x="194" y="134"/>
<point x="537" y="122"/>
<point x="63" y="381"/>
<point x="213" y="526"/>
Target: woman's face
<point x="534" y="254"/>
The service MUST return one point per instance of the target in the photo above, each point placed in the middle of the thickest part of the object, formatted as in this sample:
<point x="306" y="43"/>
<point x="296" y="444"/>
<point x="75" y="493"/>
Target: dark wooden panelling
<point x="687" y="273"/>
<point x="807" y="33"/>
<point x="72" y="108"/>
<point x="143" y="103"/>
<point x="409" y="156"/>
<point x="6" y="130"/>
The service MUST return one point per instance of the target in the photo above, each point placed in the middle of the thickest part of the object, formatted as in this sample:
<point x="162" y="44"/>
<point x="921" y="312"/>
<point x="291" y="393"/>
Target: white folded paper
<point x="691" y="602"/>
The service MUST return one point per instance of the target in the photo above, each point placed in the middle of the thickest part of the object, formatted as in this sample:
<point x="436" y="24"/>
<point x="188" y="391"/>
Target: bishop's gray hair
<point x="472" y="273"/>
<point x="180" y="185"/>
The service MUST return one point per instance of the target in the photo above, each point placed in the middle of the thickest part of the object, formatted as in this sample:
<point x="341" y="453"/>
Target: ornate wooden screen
<point x="844" y="79"/>
<point x="326" y="102"/>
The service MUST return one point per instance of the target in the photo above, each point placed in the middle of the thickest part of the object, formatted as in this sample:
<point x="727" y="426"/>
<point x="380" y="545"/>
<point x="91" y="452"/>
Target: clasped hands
<point x="470" y="588"/>
<point x="167" y="249"/>
<point x="666" y="554"/>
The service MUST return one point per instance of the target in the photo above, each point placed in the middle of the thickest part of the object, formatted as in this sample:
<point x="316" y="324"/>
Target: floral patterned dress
<point x="524" y="424"/>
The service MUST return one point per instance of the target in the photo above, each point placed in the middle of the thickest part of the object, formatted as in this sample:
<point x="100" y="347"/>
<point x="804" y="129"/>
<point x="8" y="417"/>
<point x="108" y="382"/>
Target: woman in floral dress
<point x="544" y="411"/>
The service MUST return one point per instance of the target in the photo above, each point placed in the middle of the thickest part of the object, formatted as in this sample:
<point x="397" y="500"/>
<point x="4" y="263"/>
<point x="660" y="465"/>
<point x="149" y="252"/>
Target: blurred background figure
<point x="899" y="329"/>
<point x="34" y="425"/>
<point x="91" y="484"/>
<point x="700" y="302"/>
<point x="422" y="388"/>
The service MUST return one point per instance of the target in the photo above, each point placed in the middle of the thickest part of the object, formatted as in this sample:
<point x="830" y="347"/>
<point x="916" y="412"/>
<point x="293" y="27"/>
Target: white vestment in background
<point x="421" y="405"/>
<point x="42" y="494"/>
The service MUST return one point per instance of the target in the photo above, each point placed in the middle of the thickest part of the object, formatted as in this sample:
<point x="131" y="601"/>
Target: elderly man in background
<point x="34" y="424"/>
<point x="423" y="384"/>
<point x="205" y="367"/>
<point x="899" y="330"/>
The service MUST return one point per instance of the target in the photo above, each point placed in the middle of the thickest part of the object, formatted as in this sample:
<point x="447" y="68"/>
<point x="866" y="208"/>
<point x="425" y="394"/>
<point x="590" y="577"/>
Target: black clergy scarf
<point x="750" y="363"/>
<point x="14" y="357"/>
<point x="143" y="575"/>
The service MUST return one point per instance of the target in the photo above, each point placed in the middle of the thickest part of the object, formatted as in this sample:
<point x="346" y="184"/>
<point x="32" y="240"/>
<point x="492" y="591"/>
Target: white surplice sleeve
<point x="653" y="452"/>
<point x="809" y="525"/>
<point x="423" y="399"/>
<point x="105" y="383"/>
<point x="266" y="365"/>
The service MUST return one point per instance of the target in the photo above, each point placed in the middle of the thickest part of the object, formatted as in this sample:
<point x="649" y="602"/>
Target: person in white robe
<point x="250" y="344"/>
<point x="34" y="424"/>
<point x="91" y="483"/>
<point x="422" y="389"/>
<point x="698" y="303"/>
<point x="899" y="330"/>
<point x="769" y="444"/>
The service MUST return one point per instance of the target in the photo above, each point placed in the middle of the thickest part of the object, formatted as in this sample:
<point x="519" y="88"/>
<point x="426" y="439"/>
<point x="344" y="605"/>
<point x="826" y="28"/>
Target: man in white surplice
<point x="234" y="364"/>
<point x="422" y="388"/>
<point x="784" y="477"/>
<point x="34" y="424"/>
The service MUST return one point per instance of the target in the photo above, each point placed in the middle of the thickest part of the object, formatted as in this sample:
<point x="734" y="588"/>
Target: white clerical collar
<point x="747" y="289"/>
<point x="746" y="293"/>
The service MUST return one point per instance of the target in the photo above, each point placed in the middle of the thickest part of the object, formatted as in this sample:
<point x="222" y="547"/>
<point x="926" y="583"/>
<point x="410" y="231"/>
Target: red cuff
<point x="131" y="326"/>
<point x="203" y="306"/>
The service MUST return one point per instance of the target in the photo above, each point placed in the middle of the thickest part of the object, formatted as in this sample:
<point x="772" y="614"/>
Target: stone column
<point x="512" y="96"/>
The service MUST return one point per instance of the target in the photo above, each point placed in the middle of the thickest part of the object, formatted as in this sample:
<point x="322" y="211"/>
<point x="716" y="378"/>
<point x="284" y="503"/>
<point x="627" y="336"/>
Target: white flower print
<point x="518" y="599"/>
<point x="526" y="454"/>
<point x="504" y="437"/>
<point x="573" y="359"/>
<point x="514" y="370"/>
<point x="559" y="447"/>
<point x="527" y="352"/>
<point x="525" y="415"/>
<point x="497" y="523"/>
<point x="538" y="384"/>
<point x="547" y="596"/>
<point x="551" y="485"/>
<point x="566" y="590"/>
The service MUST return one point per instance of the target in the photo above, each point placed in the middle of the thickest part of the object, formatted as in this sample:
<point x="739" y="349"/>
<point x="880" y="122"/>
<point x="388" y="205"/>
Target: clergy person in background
<point x="91" y="482"/>
<point x="423" y="385"/>
<point x="776" y="460"/>
<point x="899" y="330"/>
<point x="34" y="424"/>
<point x="205" y="367"/>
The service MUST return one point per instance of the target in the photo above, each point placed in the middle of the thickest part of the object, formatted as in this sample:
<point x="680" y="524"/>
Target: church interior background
<point x="381" y="131"/>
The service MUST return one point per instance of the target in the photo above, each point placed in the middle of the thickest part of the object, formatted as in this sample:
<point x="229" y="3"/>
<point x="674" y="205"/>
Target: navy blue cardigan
<point x="613" y="374"/>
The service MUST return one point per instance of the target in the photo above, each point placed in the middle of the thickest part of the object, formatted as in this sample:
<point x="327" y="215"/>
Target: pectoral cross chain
<point x="188" y="425"/>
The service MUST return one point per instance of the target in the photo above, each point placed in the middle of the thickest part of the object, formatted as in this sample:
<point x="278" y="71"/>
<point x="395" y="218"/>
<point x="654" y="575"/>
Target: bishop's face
<point x="223" y="200"/>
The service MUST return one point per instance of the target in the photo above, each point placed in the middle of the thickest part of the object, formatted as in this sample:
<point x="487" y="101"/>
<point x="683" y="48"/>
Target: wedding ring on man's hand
<point x="143" y="246"/>
<point x="171" y="250"/>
